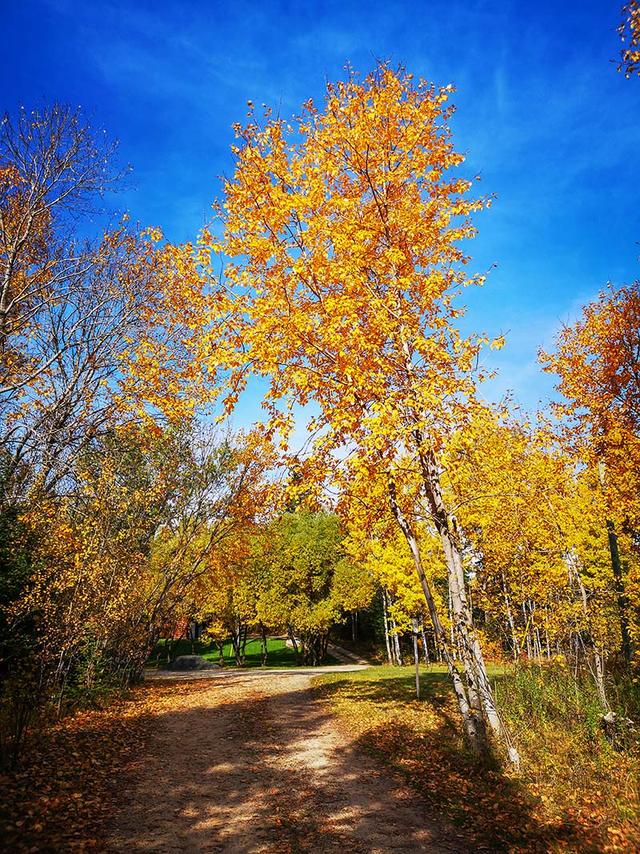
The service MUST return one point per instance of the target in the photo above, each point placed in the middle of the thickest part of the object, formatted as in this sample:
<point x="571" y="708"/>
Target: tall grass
<point x="573" y="764"/>
<point x="553" y="696"/>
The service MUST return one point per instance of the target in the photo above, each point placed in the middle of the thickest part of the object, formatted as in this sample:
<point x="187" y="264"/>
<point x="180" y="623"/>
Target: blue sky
<point x="545" y="119"/>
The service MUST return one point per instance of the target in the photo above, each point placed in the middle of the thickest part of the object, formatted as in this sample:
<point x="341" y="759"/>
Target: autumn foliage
<point x="112" y="495"/>
<point x="629" y="31"/>
<point x="454" y="529"/>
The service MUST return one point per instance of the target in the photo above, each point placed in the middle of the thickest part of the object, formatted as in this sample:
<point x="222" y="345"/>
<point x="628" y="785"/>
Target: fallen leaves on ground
<point x="64" y="793"/>
<point x="534" y="811"/>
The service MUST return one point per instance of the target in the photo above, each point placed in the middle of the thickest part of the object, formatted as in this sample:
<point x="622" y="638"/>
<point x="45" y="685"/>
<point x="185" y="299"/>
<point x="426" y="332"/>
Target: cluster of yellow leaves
<point x="346" y="232"/>
<point x="536" y="527"/>
<point x="91" y="555"/>
<point x="630" y="33"/>
<point x="596" y="360"/>
<point x="121" y="561"/>
<point x="161" y="369"/>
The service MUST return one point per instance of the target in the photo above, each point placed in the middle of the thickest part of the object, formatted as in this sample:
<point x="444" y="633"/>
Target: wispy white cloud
<point x="541" y="113"/>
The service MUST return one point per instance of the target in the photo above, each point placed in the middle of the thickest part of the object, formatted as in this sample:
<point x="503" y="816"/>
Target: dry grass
<point x="575" y="792"/>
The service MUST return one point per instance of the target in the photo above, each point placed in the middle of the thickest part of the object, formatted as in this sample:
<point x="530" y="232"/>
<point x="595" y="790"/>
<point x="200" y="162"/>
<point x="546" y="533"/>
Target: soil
<point x="254" y="762"/>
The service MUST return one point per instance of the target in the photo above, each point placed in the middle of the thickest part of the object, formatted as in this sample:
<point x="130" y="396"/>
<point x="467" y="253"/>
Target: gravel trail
<point x="251" y="761"/>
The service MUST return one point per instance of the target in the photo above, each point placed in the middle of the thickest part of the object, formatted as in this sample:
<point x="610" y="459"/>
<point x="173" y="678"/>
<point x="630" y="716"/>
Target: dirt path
<point x="251" y="762"/>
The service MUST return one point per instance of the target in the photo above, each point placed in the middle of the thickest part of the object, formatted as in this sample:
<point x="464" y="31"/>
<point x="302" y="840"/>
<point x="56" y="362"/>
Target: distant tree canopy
<point x="304" y="567"/>
<point x="110" y="493"/>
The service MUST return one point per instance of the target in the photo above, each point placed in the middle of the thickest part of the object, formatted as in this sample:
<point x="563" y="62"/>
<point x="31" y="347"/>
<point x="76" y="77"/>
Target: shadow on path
<point x="258" y="765"/>
<point x="496" y="811"/>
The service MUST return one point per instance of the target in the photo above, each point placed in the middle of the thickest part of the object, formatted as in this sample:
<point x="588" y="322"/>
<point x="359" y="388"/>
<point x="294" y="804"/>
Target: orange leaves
<point x="69" y="785"/>
<point x="596" y="358"/>
<point x="629" y="31"/>
<point x="343" y="238"/>
<point x="162" y="368"/>
<point x="597" y="362"/>
<point x="94" y="331"/>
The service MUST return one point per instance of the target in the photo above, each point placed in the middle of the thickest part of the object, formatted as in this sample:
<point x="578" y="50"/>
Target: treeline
<point x="111" y="494"/>
<point x="291" y="575"/>
<point x="341" y="240"/>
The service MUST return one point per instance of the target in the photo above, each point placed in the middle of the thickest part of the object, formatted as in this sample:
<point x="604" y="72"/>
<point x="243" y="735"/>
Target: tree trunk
<point x="294" y="643"/>
<point x="239" y="641"/>
<point x="537" y="645"/>
<point x="396" y="646"/>
<point x="416" y="656"/>
<point x="618" y="579"/>
<point x="598" y="661"/>
<point x="471" y="723"/>
<point x="618" y="583"/>
<point x="452" y="637"/>
<point x="323" y="648"/>
<point x="515" y="646"/>
<point x="548" y="644"/>
<point x="243" y="642"/>
<point x="264" y="651"/>
<point x="385" y="620"/>
<point x="425" y="648"/>
<point x="395" y="643"/>
<point x="527" y="636"/>
<point x="478" y="687"/>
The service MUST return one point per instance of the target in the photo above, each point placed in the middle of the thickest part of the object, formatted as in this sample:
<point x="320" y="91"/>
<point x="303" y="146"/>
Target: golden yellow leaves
<point x="629" y="31"/>
<point x="153" y="233"/>
<point x="345" y="242"/>
<point x="596" y="360"/>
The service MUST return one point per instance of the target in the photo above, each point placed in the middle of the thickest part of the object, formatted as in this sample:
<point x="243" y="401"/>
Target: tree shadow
<point x="268" y="774"/>
<point x="234" y="770"/>
<point x="495" y="809"/>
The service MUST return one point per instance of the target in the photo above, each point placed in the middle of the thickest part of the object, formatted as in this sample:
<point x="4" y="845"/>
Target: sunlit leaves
<point x="629" y="31"/>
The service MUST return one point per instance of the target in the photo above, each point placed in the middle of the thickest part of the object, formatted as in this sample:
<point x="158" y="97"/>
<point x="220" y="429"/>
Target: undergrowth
<point x="575" y="791"/>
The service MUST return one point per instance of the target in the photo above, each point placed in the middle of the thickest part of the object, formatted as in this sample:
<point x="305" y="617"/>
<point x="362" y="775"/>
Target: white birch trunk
<point x="416" y="655"/>
<point x="386" y="626"/>
<point x="471" y="724"/>
<point x="479" y="690"/>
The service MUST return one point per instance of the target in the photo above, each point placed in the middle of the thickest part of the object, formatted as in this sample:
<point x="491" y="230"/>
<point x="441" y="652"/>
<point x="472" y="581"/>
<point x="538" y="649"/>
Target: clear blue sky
<point x="545" y="118"/>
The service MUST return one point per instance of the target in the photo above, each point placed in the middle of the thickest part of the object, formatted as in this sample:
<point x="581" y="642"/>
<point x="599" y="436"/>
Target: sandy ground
<point x="250" y="761"/>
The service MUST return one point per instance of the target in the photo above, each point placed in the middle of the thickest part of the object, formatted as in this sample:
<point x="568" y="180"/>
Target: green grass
<point x="279" y="654"/>
<point x="401" y="680"/>
<point x="575" y="792"/>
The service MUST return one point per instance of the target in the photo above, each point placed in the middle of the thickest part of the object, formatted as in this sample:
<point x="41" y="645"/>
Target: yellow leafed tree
<point x="344" y="237"/>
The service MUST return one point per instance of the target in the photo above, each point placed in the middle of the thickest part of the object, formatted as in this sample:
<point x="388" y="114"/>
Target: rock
<point x="191" y="662"/>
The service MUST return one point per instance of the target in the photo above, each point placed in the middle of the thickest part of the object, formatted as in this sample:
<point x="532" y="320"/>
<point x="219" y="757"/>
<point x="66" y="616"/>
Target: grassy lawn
<point x="279" y="654"/>
<point x="573" y="793"/>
